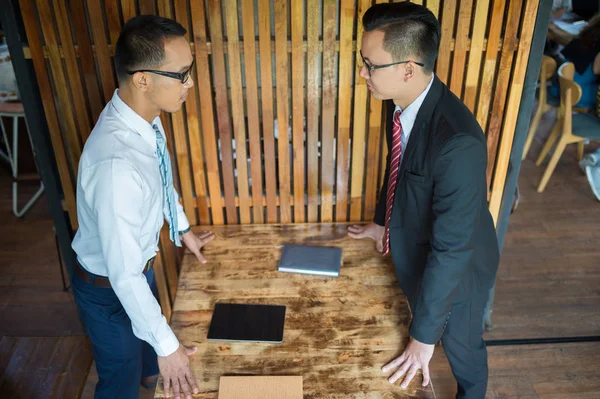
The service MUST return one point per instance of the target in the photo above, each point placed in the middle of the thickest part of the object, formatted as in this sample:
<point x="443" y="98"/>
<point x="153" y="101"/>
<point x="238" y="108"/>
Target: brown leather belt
<point x="100" y="281"/>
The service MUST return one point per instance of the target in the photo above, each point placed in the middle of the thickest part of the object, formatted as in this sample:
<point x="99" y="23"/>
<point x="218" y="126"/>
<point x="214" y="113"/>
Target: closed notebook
<point x="323" y="261"/>
<point x="260" y="387"/>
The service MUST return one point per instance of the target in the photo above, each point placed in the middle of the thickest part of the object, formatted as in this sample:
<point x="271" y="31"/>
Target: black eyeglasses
<point x="181" y="76"/>
<point x="371" y="68"/>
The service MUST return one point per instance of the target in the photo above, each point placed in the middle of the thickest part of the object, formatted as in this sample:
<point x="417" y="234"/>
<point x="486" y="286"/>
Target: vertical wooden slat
<point x="461" y="46"/>
<point x="162" y="286"/>
<point x="111" y="9"/>
<point x="297" y="11"/>
<point x="147" y="7"/>
<point x="193" y="133"/>
<point x="344" y="108"/>
<point x="358" y="133"/>
<point x="86" y="56"/>
<point x="128" y="9"/>
<point x="101" y="49"/>
<point x="509" y="46"/>
<point x="516" y="91"/>
<point x="447" y="25"/>
<point x="237" y="107"/>
<point x="489" y="65"/>
<point x="475" y="53"/>
<point x="312" y="117"/>
<point x="182" y="155"/>
<point x="164" y="8"/>
<point x="222" y="101"/>
<point x="434" y="6"/>
<point x="266" y="78"/>
<point x="281" y="77"/>
<point x="60" y="82"/>
<point x="37" y="54"/>
<point x="420" y="2"/>
<point x="81" y="114"/>
<point x="373" y="163"/>
<point x="328" y="110"/>
<point x="373" y="152"/>
<point x="252" y="110"/>
<point x="207" y="114"/>
<point x="169" y="265"/>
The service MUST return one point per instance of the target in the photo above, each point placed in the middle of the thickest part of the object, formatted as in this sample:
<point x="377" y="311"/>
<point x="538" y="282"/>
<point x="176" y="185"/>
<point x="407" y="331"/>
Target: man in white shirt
<point x="124" y="190"/>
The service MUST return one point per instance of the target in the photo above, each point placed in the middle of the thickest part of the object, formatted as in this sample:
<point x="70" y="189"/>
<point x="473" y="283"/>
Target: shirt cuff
<point x="167" y="346"/>
<point x="182" y="222"/>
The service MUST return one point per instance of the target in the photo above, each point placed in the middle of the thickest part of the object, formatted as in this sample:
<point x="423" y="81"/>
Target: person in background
<point x="584" y="53"/>
<point x="8" y="82"/>
<point x="560" y="8"/>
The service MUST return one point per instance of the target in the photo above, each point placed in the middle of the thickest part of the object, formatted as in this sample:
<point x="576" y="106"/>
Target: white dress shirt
<point x="121" y="209"/>
<point x="409" y="116"/>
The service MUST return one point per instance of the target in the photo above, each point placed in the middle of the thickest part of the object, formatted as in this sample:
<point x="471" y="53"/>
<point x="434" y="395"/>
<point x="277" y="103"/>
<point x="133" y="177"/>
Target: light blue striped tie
<point x="166" y="173"/>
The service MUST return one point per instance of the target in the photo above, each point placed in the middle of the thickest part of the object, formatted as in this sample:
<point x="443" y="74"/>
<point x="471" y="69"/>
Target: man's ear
<point x="141" y="81"/>
<point x="409" y="71"/>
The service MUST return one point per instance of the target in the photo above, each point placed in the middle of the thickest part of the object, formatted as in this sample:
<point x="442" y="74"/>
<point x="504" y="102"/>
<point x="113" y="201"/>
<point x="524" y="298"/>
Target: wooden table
<point x="339" y="332"/>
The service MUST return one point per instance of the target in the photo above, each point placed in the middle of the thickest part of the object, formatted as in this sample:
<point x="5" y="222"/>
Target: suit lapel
<point x="421" y="124"/>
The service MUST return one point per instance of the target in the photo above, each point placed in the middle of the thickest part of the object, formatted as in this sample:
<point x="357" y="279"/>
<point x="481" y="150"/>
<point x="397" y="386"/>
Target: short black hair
<point x="141" y="43"/>
<point x="409" y="30"/>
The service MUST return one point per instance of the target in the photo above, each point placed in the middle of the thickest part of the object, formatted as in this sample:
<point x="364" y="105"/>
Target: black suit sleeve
<point x="380" y="210"/>
<point x="458" y="195"/>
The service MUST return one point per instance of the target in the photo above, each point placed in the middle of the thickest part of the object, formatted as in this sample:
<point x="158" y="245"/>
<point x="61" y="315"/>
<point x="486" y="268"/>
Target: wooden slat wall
<point x="281" y="128"/>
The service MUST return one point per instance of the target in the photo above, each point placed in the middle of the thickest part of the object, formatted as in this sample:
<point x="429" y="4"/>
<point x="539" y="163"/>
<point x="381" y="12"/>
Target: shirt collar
<point x="409" y="115"/>
<point x="135" y="121"/>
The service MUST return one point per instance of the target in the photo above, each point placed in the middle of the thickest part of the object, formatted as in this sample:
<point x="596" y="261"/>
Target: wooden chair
<point x="546" y="101"/>
<point x="573" y="128"/>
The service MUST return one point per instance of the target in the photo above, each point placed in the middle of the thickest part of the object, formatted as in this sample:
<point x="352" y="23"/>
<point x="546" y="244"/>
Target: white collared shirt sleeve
<point x="182" y="220"/>
<point x="115" y="189"/>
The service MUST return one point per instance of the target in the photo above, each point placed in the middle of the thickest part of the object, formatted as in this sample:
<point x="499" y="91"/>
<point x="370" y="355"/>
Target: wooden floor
<point x="46" y="367"/>
<point x="564" y="371"/>
<point x="30" y="282"/>
<point x="549" y="278"/>
<point x="548" y="286"/>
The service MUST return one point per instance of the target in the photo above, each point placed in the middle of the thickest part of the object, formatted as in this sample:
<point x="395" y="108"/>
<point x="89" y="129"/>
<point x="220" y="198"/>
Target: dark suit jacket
<point x="442" y="237"/>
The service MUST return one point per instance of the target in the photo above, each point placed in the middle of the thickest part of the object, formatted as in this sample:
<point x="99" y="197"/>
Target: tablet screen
<point x="241" y="322"/>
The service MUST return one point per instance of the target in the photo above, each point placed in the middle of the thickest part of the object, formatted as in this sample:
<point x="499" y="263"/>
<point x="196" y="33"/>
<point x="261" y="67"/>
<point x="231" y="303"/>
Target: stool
<point x="15" y="111"/>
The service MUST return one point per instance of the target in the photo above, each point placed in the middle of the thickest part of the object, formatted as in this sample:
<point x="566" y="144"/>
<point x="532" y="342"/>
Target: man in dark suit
<point x="432" y="213"/>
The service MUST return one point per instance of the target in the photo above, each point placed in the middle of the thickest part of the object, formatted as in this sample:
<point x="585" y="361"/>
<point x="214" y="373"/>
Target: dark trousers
<point x="464" y="346"/>
<point x="121" y="358"/>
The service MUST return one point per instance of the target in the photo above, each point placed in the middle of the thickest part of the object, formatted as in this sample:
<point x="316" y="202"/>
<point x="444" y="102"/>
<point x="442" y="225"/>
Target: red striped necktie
<point x="393" y="179"/>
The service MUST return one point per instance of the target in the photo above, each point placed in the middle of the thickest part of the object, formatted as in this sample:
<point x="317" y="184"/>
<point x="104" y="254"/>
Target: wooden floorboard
<point x="43" y="367"/>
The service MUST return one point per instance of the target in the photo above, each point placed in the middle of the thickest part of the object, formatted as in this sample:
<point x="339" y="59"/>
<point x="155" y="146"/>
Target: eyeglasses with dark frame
<point x="371" y="68"/>
<point x="181" y="76"/>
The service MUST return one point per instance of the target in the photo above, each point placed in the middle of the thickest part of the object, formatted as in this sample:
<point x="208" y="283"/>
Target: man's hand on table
<point x="195" y="242"/>
<point x="371" y="230"/>
<point x="176" y="372"/>
<point x="416" y="356"/>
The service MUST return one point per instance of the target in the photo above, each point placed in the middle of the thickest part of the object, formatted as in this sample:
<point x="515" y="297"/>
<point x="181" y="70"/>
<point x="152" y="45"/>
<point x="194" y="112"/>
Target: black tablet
<point x="241" y="322"/>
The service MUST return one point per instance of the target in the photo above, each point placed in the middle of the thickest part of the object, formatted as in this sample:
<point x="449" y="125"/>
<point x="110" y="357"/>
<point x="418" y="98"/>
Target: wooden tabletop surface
<point x="339" y="332"/>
